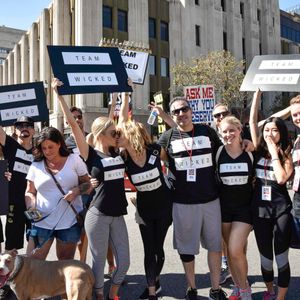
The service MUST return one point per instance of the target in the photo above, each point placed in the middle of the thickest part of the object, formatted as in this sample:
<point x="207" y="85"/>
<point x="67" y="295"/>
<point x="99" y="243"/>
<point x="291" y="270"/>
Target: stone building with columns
<point x="175" y="30"/>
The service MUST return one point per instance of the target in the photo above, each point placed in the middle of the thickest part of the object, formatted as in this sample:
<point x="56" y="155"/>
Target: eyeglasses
<point x="24" y="125"/>
<point x="177" y="111"/>
<point x="222" y="113"/>
<point x="79" y="117"/>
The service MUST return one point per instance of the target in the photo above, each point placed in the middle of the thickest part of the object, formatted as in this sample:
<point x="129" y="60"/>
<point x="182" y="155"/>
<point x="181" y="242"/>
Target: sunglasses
<point x="115" y="133"/>
<point x="222" y="113"/>
<point x="177" y="111"/>
<point x="24" y="125"/>
<point x="79" y="117"/>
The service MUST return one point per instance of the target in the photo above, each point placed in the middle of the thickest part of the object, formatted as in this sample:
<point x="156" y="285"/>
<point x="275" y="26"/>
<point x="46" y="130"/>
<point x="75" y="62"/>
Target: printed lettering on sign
<point x="23" y="155"/>
<point x="276" y="79"/>
<point x="114" y="174"/>
<point x="14" y="113"/>
<point x="78" y="79"/>
<point x="201" y="99"/>
<point x="20" y="167"/>
<point x="145" y="176"/>
<point x="89" y="58"/>
<point x="149" y="186"/>
<point x="112" y="161"/>
<point x="238" y="167"/>
<point x="280" y="64"/>
<point x="197" y="162"/>
<point x="199" y="142"/>
<point x="234" y="180"/>
<point x="15" y="96"/>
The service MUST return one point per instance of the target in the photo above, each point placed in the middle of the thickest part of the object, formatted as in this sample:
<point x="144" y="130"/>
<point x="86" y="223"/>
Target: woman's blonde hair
<point x="137" y="135"/>
<point x="100" y="124"/>
<point x="232" y="120"/>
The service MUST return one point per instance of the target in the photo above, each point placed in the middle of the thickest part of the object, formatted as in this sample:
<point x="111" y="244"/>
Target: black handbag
<point x="295" y="238"/>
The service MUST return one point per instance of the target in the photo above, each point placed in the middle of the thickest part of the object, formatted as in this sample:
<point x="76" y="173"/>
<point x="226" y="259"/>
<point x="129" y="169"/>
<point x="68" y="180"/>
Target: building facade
<point x="175" y="30"/>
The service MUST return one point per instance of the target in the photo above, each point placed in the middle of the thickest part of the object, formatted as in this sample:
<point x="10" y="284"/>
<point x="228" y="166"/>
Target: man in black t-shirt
<point x="190" y="151"/>
<point x="18" y="152"/>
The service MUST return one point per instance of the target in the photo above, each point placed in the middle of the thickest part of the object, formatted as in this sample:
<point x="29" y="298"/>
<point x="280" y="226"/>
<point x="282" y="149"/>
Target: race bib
<point x="191" y="175"/>
<point x="266" y="193"/>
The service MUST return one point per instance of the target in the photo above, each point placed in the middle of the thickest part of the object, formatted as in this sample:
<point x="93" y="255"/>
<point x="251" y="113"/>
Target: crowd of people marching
<point x="219" y="186"/>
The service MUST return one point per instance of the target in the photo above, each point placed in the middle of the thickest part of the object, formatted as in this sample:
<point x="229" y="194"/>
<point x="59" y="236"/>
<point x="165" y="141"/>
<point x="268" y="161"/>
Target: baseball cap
<point x="24" y="119"/>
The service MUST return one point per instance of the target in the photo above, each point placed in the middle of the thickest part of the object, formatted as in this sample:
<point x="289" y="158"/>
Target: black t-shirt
<point x="194" y="150"/>
<point x="19" y="161"/>
<point x="109" y="197"/>
<point x="153" y="196"/>
<point x="236" y="175"/>
<point x="280" y="199"/>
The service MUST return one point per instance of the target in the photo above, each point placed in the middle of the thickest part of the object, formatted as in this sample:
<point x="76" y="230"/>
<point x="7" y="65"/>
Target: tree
<point x="218" y="68"/>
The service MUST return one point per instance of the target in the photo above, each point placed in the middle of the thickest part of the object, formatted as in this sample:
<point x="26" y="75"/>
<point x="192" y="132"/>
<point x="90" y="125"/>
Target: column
<point x="17" y="64"/>
<point x="24" y="52"/>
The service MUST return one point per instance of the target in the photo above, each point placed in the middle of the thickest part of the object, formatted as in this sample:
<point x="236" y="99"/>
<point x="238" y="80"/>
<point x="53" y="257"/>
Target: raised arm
<point x="161" y="113"/>
<point x="2" y="136"/>
<point x="283" y="114"/>
<point x="113" y="106"/>
<point x="123" y="114"/>
<point x="77" y="132"/>
<point x="253" y="117"/>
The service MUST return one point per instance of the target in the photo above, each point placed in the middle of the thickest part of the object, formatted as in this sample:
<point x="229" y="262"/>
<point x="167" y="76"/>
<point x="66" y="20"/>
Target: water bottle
<point x="152" y="117"/>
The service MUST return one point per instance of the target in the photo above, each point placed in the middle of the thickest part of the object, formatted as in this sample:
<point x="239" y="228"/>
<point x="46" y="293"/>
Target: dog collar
<point x="19" y="261"/>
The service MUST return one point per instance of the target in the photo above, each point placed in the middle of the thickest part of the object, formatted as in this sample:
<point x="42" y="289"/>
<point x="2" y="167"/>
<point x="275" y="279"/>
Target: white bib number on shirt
<point x="266" y="193"/>
<point x="191" y="175"/>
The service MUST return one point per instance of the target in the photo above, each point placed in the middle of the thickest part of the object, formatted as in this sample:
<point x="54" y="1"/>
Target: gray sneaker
<point x="224" y="276"/>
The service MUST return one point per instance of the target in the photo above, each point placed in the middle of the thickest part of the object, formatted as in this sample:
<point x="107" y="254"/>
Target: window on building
<point x="122" y="20"/>
<point x="225" y="40"/>
<point x="152" y="28"/>
<point x="198" y="37"/>
<point x="258" y="16"/>
<point x="242" y="9"/>
<point x="152" y="65"/>
<point x="197" y="2"/>
<point x="164" y="31"/>
<point x="107" y="16"/>
<point x="164" y="67"/>
<point x="223" y="5"/>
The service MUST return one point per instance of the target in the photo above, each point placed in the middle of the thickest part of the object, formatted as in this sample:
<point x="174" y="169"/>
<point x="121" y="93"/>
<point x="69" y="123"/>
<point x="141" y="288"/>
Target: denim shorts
<point x="69" y="235"/>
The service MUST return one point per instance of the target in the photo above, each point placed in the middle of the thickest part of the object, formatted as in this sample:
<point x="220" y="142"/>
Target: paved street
<point x="172" y="278"/>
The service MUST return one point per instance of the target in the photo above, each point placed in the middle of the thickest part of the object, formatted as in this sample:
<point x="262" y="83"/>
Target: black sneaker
<point x="145" y="294"/>
<point x="5" y="291"/>
<point x="151" y="297"/>
<point x="217" y="295"/>
<point x="191" y="294"/>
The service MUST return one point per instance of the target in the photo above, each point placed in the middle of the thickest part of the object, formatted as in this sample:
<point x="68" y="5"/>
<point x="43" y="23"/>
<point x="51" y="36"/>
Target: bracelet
<point x="273" y="159"/>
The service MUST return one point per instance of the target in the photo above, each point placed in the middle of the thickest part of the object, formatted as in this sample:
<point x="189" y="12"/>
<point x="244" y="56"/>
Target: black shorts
<point x="16" y="223"/>
<point x="241" y="214"/>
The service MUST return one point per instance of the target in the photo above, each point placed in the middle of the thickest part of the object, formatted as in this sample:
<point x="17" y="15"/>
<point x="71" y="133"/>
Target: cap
<point x="24" y="119"/>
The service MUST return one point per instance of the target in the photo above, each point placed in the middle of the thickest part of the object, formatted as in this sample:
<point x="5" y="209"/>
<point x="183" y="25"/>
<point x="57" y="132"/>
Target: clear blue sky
<point x="22" y="13"/>
<point x="283" y="4"/>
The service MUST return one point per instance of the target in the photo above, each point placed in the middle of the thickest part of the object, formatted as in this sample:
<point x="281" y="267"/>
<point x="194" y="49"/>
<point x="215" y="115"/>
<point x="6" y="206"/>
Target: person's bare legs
<point x="189" y="269"/>
<point x="214" y="265"/>
<point x="236" y="251"/>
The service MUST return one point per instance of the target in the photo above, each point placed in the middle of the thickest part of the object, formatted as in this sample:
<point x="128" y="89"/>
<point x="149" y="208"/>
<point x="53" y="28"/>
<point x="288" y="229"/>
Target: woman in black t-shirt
<point x="271" y="201"/>
<point x="104" y="222"/>
<point x="143" y="167"/>
<point x="235" y="168"/>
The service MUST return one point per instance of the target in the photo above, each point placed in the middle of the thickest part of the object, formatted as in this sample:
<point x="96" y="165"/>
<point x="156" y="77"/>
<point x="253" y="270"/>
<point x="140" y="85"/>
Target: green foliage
<point x="218" y="68"/>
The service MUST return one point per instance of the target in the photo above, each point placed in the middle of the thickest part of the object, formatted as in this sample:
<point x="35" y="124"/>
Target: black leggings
<point x="277" y="230"/>
<point x="153" y="236"/>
